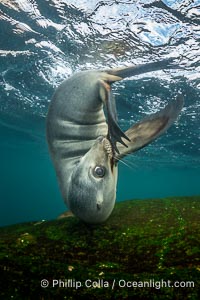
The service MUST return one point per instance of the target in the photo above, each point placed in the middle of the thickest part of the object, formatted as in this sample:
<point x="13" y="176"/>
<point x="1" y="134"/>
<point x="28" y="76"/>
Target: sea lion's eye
<point x="99" y="171"/>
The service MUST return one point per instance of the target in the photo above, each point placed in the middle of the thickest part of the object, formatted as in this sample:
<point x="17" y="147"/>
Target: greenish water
<point x="159" y="182"/>
<point x="29" y="189"/>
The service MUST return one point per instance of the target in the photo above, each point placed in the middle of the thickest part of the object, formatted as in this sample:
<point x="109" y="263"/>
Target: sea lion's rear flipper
<point x="134" y="70"/>
<point x="115" y="134"/>
<point x="147" y="130"/>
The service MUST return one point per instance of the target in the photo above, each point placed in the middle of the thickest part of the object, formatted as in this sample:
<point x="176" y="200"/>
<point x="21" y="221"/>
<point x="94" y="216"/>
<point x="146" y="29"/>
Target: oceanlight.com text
<point x="101" y="283"/>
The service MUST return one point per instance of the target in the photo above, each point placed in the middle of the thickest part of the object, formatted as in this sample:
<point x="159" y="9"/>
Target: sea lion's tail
<point x="120" y="73"/>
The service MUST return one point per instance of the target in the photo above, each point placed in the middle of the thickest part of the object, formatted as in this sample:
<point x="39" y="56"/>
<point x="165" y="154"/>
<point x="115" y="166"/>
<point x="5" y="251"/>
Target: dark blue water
<point x="43" y="42"/>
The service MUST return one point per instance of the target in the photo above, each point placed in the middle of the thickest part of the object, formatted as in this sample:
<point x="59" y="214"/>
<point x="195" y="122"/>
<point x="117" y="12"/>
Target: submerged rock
<point x="144" y="250"/>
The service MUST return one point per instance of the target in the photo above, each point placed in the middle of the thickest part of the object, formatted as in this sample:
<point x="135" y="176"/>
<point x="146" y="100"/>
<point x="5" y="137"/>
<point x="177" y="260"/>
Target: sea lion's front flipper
<point x="115" y="134"/>
<point x="147" y="130"/>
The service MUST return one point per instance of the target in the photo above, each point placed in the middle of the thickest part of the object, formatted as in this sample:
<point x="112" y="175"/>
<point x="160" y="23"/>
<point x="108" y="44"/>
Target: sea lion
<point x="85" y="144"/>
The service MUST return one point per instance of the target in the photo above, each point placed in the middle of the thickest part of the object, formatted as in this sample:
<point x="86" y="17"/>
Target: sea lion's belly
<point x="69" y="139"/>
<point x="76" y="117"/>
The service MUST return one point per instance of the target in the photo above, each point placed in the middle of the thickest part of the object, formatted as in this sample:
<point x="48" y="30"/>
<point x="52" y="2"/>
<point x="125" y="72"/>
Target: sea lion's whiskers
<point x="85" y="144"/>
<point x="129" y="164"/>
<point x="124" y="163"/>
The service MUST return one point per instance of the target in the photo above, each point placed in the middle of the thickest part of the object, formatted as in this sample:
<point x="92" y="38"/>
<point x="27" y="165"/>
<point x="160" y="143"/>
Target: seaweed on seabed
<point x="143" y="241"/>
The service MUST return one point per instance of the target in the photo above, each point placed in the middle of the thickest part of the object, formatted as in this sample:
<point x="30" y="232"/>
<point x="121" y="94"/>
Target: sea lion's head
<point x="92" y="191"/>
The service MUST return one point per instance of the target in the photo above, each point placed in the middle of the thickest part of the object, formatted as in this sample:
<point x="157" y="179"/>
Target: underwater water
<point x="44" y="42"/>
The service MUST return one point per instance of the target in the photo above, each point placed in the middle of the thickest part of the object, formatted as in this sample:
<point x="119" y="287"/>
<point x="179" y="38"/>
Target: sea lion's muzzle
<point x="86" y="142"/>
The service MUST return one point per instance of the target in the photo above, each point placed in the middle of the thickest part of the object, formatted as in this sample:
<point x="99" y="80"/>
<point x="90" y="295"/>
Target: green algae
<point x="143" y="240"/>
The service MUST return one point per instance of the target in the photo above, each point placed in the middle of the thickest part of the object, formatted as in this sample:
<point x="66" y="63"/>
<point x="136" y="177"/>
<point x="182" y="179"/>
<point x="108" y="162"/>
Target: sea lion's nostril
<point x="76" y="124"/>
<point x="98" y="206"/>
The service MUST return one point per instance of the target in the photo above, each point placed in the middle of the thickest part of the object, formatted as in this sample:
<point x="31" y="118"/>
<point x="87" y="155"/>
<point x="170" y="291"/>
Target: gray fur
<point x="78" y="139"/>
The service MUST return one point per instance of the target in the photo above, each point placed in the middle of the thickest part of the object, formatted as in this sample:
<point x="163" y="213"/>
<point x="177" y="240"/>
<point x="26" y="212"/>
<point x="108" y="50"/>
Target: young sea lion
<point x="85" y="145"/>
